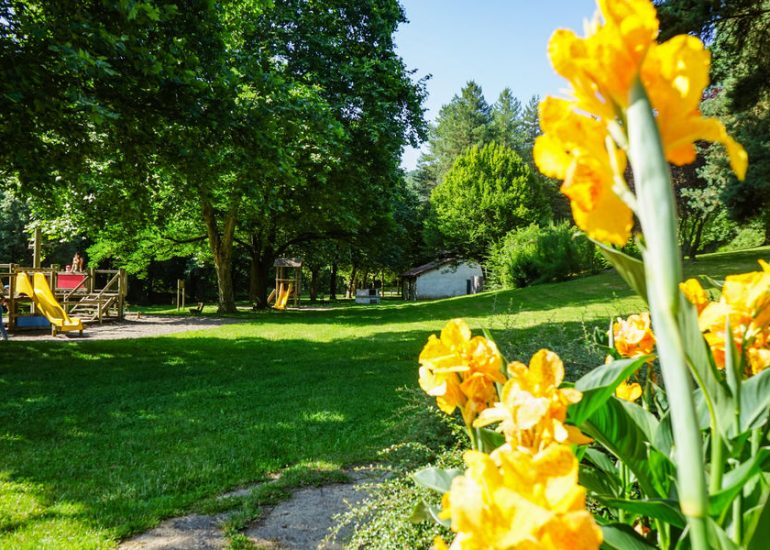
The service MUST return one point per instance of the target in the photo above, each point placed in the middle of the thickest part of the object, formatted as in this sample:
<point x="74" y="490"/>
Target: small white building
<point x="442" y="279"/>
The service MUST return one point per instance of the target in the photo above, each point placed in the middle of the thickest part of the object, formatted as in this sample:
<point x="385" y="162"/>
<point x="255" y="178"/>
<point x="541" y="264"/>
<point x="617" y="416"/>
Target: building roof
<point x="288" y="262"/>
<point x="430" y="266"/>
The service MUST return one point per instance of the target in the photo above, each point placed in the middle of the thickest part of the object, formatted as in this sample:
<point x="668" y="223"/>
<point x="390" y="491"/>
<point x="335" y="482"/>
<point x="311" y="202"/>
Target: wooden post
<point x="297" y="285"/>
<point x="53" y="278"/>
<point x="180" y="294"/>
<point x="122" y="289"/>
<point x="91" y="279"/>
<point x="37" y="248"/>
<point x="11" y="297"/>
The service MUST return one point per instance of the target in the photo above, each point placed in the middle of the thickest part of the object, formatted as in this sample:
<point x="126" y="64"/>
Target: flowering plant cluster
<point x="680" y="462"/>
<point x="525" y="492"/>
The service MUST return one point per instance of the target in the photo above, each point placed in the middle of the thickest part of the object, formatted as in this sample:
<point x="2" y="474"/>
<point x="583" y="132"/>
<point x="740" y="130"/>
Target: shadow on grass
<point x="101" y="439"/>
<point x="134" y="434"/>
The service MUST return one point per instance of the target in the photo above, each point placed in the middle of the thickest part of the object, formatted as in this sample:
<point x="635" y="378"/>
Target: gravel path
<point x="299" y="523"/>
<point x="154" y="325"/>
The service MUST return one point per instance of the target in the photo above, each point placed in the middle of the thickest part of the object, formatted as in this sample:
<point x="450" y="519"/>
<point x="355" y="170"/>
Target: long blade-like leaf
<point x="622" y="537"/>
<point x="631" y="269"/>
<point x="436" y="478"/>
<point x="599" y="385"/>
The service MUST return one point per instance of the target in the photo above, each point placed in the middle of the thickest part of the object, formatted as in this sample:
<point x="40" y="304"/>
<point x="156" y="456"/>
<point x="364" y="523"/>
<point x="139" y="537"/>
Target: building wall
<point x="447" y="281"/>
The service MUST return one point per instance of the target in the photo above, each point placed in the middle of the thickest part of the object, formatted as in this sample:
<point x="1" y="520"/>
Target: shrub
<point x="383" y="519"/>
<point x="535" y="254"/>
<point x="748" y="236"/>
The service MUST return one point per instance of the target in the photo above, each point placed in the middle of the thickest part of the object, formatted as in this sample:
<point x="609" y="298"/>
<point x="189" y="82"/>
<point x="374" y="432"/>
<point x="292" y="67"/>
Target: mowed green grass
<point x="102" y="439"/>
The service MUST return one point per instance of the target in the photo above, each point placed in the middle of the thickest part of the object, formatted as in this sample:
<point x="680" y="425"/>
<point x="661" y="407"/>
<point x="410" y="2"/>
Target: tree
<point x="14" y="217"/>
<point x="489" y="192"/>
<point x="506" y="124"/>
<point x="269" y="127"/>
<point x="345" y="50"/>
<point x="740" y="34"/>
<point x="462" y="123"/>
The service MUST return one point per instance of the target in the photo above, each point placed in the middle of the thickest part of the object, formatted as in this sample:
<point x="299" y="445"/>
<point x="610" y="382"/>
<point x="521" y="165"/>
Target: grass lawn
<point x="102" y="439"/>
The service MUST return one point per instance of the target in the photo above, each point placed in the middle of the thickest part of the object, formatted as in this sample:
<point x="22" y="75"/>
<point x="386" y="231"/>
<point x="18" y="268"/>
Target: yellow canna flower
<point x="675" y="74"/>
<point x="745" y="301"/>
<point x="633" y="336"/>
<point x="694" y="292"/>
<point x="619" y="48"/>
<point x="460" y="370"/>
<point x="629" y="392"/>
<point x="514" y="500"/>
<point x="573" y="149"/>
<point x="532" y="408"/>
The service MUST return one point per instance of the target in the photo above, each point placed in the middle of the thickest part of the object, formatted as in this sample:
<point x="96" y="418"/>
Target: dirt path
<point x="154" y="325"/>
<point x="299" y="523"/>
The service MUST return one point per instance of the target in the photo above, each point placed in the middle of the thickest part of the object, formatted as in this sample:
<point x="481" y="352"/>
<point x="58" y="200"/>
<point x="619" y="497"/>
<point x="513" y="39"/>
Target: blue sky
<point x="497" y="43"/>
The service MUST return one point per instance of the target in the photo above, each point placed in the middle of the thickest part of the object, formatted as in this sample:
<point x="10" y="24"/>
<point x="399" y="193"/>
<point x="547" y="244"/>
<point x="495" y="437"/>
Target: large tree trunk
<point x="315" y="272"/>
<point x="262" y="259"/>
<point x="333" y="282"/>
<point x="221" y="244"/>
<point x="352" y="283"/>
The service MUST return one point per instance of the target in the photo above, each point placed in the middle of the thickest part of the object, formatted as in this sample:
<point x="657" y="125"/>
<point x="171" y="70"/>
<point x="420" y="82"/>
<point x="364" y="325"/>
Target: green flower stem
<point x="717" y="460"/>
<point x="663" y="271"/>
<point x="738" y="519"/>
<point x="472" y="436"/>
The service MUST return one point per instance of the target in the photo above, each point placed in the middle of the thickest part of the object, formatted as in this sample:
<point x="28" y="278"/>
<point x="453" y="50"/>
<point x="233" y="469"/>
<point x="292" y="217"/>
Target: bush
<point x="383" y="519"/>
<point x="748" y="236"/>
<point x="536" y="254"/>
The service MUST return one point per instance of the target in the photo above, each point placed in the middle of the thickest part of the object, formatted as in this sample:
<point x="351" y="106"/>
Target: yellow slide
<point x="46" y="302"/>
<point x="283" y="297"/>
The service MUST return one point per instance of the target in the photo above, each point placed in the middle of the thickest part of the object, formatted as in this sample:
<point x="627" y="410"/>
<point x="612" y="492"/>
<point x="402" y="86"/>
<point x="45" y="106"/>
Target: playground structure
<point x="66" y="299"/>
<point x="288" y="282"/>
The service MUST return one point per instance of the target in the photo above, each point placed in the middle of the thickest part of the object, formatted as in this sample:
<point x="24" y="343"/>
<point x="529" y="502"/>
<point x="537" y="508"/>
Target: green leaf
<point x="755" y="401"/>
<point x="599" y="385"/>
<point x="718" y="539"/>
<point x="757" y="524"/>
<point x="616" y="431"/>
<point x="664" y="510"/>
<point x="489" y="440"/>
<point x="423" y="512"/>
<point x="702" y="367"/>
<point x="598" y="482"/>
<point x="436" y="479"/>
<point x="601" y="461"/>
<point x="642" y="418"/>
<point x="631" y="269"/>
<point x="734" y="481"/>
<point x="664" y="436"/>
<point x="618" y="536"/>
<point x="420" y="513"/>
<point x="434" y="513"/>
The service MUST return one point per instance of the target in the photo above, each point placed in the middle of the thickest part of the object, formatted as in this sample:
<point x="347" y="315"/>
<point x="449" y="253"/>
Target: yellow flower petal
<point x="628" y="392"/>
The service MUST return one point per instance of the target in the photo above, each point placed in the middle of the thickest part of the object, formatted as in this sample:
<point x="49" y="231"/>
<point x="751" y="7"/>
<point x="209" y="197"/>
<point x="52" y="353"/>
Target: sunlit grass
<point x="102" y="439"/>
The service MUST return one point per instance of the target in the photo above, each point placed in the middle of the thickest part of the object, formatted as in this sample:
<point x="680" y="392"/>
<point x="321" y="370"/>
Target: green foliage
<point x="748" y="236"/>
<point x="738" y="30"/>
<point x="383" y="519"/>
<point x="462" y="123"/>
<point x="14" y="218"/>
<point x="488" y="192"/>
<point x="536" y="254"/>
<point x="387" y="518"/>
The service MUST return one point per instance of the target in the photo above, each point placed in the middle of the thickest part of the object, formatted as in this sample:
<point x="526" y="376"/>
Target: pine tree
<point x="462" y="123"/>
<point x="507" y="121"/>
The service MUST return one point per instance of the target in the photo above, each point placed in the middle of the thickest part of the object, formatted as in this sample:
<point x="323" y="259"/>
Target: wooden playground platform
<point x="94" y="295"/>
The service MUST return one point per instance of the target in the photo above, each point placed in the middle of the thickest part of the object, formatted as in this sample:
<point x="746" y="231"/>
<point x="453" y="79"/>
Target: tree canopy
<point x="488" y="192"/>
<point x="254" y="125"/>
